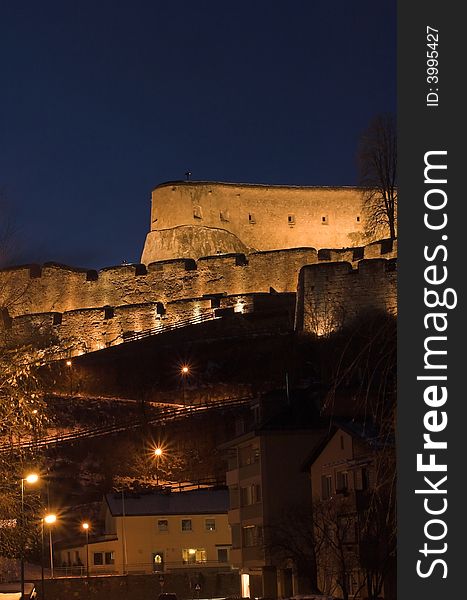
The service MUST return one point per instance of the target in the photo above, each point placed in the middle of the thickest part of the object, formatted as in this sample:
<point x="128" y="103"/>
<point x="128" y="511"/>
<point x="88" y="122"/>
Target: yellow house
<point x="156" y="531"/>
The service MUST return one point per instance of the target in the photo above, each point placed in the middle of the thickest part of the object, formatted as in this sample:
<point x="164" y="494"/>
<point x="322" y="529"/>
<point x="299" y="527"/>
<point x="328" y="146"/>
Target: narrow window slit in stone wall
<point x="108" y="312"/>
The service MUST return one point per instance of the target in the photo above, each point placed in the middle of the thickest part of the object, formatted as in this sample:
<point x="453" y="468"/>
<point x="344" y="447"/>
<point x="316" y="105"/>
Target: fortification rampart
<point x="194" y="219"/>
<point x="54" y="288"/>
<point x="90" y="329"/>
<point x="330" y="296"/>
<point x="87" y="310"/>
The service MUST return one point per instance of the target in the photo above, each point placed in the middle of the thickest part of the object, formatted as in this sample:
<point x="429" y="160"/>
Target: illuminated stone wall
<point x="88" y="310"/>
<point x="194" y="219"/>
<point x="331" y="295"/>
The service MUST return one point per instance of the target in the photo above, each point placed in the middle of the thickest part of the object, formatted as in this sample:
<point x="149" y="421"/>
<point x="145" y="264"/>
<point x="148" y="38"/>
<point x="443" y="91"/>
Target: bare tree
<point x="336" y="539"/>
<point x="8" y="233"/>
<point x="378" y="176"/>
<point x="290" y="539"/>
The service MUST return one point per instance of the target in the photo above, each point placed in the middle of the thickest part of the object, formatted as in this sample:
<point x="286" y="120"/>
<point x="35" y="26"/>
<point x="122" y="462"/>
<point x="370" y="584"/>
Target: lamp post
<point x="69" y="364"/>
<point x="49" y="519"/>
<point x="32" y="478"/>
<point x="184" y="372"/>
<point x="85" y="527"/>
<point x="157" y="454"/>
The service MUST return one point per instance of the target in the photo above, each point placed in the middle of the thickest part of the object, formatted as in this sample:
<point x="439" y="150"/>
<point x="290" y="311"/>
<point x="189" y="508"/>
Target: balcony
<point x="253" y="554"/>
<point x="247" y="471"/>
<point x="252" y="511"/>
<point x="232" y="477"/>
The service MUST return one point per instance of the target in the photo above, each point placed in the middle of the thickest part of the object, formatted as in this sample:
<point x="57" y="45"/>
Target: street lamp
<point x="31" y="479"/>
<point x="157" y="453"/>
<point x="69" y="364"/>
<point x="184" y="372"/>
<point x="85" y="527"/>
<point x="50" y="520"/>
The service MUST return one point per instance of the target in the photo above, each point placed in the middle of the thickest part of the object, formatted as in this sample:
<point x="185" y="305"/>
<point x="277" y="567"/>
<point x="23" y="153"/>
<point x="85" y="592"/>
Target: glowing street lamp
<point x="49" y="519"/>
<point x="31" y="479"/>
<point x="69" y="364"/>
<point x="184" y="372"/>
<point x="158" y="453"/>
<point x="85" y="526"/>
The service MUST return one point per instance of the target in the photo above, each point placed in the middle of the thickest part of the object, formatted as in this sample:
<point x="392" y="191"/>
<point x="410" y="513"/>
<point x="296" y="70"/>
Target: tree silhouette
<point x="378" y="176"/>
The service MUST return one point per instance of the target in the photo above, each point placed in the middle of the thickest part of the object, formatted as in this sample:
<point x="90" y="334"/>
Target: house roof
<point x="192" y="502"/>
<point x="364" y="432"/>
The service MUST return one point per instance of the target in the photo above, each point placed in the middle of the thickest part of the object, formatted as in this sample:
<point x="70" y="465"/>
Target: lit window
<point x="193" y="555"/>
<point x="186" y="525"/>
<point x="210" y="524"/>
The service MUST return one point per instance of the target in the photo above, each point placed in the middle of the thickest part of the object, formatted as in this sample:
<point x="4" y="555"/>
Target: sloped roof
<point x="192" y="502"/>
<point x="365" y="432"/>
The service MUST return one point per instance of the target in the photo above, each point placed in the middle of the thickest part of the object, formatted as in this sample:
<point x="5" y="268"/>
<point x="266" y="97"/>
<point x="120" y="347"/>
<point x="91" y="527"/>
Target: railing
<point x="134" y="568"/>
<point x="163" y="327"/>
<point x="167" y="414"/>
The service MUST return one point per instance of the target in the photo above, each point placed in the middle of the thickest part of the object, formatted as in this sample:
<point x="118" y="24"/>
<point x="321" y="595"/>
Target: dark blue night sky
<point x="102" y="100"/>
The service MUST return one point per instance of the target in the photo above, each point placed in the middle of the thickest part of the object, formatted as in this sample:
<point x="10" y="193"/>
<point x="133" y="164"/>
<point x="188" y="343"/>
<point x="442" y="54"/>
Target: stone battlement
<point x="56" y="288"/>
<point x="330" y="296"/>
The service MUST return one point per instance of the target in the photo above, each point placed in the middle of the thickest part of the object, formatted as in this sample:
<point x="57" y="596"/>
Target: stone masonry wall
<point x="331" y="295"/>
<point x="35" y="289"/>
<point x="190" y="218"/>
<point x="85" y="310"/>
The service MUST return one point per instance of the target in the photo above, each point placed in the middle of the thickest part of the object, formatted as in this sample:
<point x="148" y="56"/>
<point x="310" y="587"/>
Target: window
<point x="252" y="536"/>
<point x="98" y="558"/>
<point x="361" y="479"/>
<point x="197" y="213"/>
<point x="108" y="312"/>
<point x="251" y="494"/>
<point x="77" y="556"/>
<point x="193" y="555"/>
<point x="222" y="555"/>
<point x="109" y="558"/>
<point x="224" y="215"/>
<point x="324" y="220"/>
<point x="162" y="525"/>
<point x="248" y="455"/>
<point x="186" y="525"/>
<point x="291" y="219"/>
<point x="326" y="486"/>
<point x="210" y="524"/>
<point x="358" y="219"/>
<point x="251" y="218"/>
<point x="342" y="481"/>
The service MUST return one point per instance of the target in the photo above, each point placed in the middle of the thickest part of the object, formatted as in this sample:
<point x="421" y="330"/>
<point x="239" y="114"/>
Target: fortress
<point x="194" y="219"/>
<point x="213" y="246"/>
